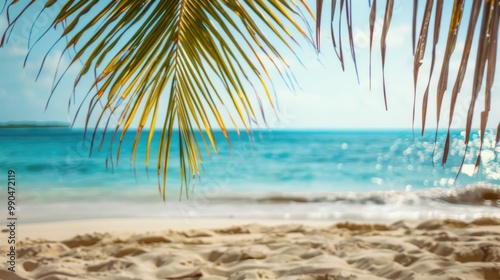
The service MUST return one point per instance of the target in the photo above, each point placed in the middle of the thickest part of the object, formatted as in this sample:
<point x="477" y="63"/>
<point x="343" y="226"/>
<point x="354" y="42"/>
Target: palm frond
<point x="383" y="46"/>
<point x="373" y="13"/>
<point x="195" y="52"/>
<point x="419" y="50"/>
<point x="425" y="99"/>
<point x="486" y="49"/>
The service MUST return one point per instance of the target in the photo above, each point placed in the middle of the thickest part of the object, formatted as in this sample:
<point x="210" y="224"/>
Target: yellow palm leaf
<point x="143" y="50"/>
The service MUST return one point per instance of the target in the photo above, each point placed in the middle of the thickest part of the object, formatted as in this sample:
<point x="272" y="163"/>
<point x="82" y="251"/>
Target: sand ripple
<point x="435" y="249"/>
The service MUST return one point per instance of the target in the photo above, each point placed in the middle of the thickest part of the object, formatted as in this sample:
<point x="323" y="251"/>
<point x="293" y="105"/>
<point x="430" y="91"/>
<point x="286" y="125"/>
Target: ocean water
<point x="334" y="175"/>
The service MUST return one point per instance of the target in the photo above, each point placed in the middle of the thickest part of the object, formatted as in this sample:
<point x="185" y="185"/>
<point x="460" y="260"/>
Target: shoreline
<point x="363" y="210"/>
<point x="65" y="229"/>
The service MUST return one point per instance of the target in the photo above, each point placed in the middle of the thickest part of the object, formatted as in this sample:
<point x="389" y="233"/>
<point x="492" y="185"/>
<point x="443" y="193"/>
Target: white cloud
<point x="15" y="51"/>
<point x="53" y="63"/>
<point x="398" y="36"/>
<point x="3" y="24"/>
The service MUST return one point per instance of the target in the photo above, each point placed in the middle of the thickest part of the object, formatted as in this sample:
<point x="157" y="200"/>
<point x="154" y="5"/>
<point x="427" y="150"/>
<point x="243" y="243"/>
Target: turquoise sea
<point x="358" y="174"/>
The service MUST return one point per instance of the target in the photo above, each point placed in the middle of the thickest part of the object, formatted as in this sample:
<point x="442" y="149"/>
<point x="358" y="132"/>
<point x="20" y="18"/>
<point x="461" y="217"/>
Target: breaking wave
<point x="476" y="194"/>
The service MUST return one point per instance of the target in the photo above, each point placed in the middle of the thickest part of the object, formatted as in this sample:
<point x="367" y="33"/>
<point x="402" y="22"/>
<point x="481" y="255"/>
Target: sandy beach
<point x="255" y="249"/>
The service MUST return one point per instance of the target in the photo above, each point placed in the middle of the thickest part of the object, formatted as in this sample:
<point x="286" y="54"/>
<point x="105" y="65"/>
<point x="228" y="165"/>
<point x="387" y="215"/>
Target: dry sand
<point x="230" y="249"/>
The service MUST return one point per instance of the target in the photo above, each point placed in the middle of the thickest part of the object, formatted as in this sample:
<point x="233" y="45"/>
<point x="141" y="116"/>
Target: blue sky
<point x="327" y="98"/>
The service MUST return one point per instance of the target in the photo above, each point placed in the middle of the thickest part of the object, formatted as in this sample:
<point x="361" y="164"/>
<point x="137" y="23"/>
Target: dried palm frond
<point x="485" y="47"/>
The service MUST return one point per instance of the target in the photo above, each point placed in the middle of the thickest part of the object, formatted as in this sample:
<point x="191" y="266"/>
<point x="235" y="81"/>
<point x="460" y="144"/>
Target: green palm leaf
<point x="193" y="51"/>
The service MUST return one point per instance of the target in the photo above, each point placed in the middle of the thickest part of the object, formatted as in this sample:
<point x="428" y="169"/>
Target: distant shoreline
<point x="11" y="125"/>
